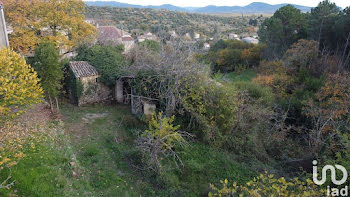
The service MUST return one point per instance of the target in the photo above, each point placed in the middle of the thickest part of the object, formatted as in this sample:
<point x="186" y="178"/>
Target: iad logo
<point x="331" y="191"/>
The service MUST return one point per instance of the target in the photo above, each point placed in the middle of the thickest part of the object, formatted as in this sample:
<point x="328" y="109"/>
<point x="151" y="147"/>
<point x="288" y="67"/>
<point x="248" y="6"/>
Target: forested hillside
<point x="137" y="20"/>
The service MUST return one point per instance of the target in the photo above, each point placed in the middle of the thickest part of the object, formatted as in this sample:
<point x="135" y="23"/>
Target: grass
<point x="97" y="157"/>
<point x="246" y="75"/>
<point x="108" y="152"/>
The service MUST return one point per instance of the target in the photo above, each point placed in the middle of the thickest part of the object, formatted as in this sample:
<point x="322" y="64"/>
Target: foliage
<point x="75" y="86"/>
<point x="321" y="22"/>
<point x="49" y="68"/>
<point x="286" y="26"/>
<point x="61" y="22"/>
<point x="19" y="85"/>
<point x="162" y="22"/>
<point x="150" y="45"/>
<point x="108" y="61"/>
<point x="267" y="185"/>
<point x="302" y="55"/>
<point x="227" y="56"/>
<point x="329" y="113"/>
<point x="158" y="142"/>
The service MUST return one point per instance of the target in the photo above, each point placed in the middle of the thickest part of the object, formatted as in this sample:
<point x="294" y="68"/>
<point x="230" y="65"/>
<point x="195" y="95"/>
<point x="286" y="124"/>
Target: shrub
<point x="267" y="185"/>
<point x="158" y="142"/>
<point x="19" y="84"/>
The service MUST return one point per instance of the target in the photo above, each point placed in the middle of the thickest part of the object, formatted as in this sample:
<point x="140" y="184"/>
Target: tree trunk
<point x="58" y="108"/>
<point x="51" y="105"/>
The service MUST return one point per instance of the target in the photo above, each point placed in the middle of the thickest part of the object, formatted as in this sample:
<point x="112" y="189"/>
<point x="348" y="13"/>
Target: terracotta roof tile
<point x="109" y="32"/>
<point x="82" y="69"/>
<point x="127" y="38"/>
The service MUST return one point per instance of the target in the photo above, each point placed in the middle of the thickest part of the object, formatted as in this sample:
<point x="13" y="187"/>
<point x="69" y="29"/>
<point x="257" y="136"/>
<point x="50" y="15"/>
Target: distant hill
<point x="256" y="7"/>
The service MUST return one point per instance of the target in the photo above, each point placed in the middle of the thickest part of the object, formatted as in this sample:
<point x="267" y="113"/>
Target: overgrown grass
<point x="246" y="75"/>
<point x="97" y="157"/>
<point x="109" y="154"/>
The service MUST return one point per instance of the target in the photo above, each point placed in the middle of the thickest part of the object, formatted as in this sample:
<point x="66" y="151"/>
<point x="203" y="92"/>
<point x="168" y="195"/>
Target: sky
<point x="203" y="3"/>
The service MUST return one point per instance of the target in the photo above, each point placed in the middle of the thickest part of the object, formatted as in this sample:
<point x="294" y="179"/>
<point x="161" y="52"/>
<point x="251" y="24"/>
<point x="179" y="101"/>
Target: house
<point x="173" y="34"/>
<point x="250" y="40"/>
<point x="197" y="35"/>
<point x="206" y="46"/>
<point x="86" y="89"/>
<point x="128" y="42"/>
<point x="4" y="42"/>
<point x="233" y="36"/>
<point x="110" y="35"/>
<point x="147" y="36"/>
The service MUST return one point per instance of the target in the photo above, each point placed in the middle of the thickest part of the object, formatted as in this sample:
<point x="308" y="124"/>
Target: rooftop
<point x="82" y="69"/>
<point x="109" y="32"/>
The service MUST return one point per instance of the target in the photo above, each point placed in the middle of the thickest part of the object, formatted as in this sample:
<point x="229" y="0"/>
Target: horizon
<point x="203" y="3"/>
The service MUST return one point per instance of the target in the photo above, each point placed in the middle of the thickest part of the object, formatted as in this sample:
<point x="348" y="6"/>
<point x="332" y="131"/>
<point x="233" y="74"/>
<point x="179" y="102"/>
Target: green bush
<point x="256" y="91"/>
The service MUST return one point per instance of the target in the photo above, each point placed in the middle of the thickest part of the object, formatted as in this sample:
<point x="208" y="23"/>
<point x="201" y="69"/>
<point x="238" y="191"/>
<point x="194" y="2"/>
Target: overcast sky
<point x="202" y="3"/>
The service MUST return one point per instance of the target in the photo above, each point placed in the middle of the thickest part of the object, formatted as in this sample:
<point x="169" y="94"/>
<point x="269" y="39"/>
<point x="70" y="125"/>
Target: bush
<point x="267" y="185"/>
<point x="19" y="84"/>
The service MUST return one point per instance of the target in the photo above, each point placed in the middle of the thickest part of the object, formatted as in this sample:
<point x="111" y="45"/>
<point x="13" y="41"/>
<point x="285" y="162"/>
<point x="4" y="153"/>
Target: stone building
<point x="4" y="42"/>
<point x="110" y="35"/>
<point x="91" y="90"/>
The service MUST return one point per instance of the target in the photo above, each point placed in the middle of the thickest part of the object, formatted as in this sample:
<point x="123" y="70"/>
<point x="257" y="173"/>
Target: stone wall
<point x="93" y="91"/>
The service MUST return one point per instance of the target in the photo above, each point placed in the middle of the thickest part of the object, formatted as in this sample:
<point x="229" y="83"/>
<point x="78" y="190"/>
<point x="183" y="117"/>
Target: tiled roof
<point x="127" y="38"/>
<point x="82" y="69"/>
<point x="109" y="32"/>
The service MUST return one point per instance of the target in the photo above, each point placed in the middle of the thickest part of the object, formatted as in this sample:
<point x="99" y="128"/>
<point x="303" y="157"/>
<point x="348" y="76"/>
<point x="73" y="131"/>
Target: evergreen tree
<point x="50" y="70"/>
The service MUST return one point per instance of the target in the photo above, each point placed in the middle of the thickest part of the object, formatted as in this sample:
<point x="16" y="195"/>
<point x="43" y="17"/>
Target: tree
<point x="19" y="84"/>
<point x="50" y="70"/>
<point x="60" y="21"/>
<point x="321" y="21"/>
<point x="150" y="45"/>
<point x="108" y="60"/>
<point x="286" y="26"/>
<point x="301" y="55"/>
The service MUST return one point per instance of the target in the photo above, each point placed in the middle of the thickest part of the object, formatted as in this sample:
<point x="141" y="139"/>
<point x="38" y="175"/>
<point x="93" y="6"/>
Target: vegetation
<point x="161" y="22"/>
<point x="232" y="55"/>
<point x="268" y="185"/>
<point x="107" y="60"/>
<point x="61" y="22"/>
<point x="19" y="84"/>
<point x="229" y="113"/>
<point x="50" y="70"/>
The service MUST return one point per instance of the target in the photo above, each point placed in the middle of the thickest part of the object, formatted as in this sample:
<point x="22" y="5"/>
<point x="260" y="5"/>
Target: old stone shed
<point x="87" y="88"/>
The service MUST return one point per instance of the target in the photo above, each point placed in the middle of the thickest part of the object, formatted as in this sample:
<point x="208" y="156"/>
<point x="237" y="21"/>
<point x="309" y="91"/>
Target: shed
<point x="87" y="89"/>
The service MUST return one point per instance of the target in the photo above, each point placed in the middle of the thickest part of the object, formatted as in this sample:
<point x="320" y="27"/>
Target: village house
<point x="173" y="34"/>
<point x="206" y="46"/>
<point x="4" y="42"/>
<point x="110" y="35"/>
<point x="197" y="35"/>
<point x="250" y="40"/>
<point x="233" y="36"/>
<point x="147" y="36"/>
<point x="87" y="89"/>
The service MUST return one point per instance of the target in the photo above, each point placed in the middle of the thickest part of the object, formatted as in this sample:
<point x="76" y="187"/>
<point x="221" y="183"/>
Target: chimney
<point x="3" y="31"/>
